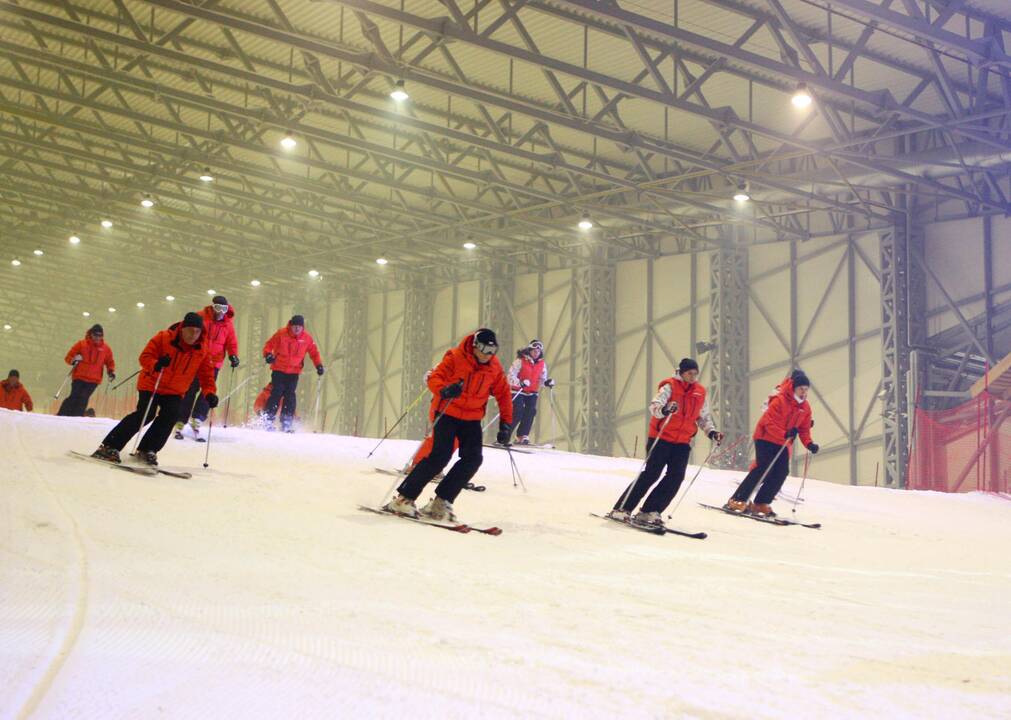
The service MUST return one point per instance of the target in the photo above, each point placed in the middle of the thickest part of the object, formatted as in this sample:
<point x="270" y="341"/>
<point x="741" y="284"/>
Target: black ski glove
<point x="452" y="391"/>
<point x="792" y="433"/>
<point x="549" y="383"/>
<point x="504" y="430"/>
<point x="234" y="360"/>
<point x="163" y="362"/>
<point x="716" y="436"/>
<point x="813" y="448"/>
<point x="112" y="376"/>
<point x="269" y="357"/>
<point x="320" y="370"/>
<point x="212" y="400"/>
<point x="671" y="407"/>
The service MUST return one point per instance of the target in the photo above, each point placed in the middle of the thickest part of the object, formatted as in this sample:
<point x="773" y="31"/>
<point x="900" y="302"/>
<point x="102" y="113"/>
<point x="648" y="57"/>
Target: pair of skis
<point x="454" y="527"/>
<point x="760" y="518"/>
<point x="398" y="473"/>
<point x="522" y="449"/>
<point x="148" y="470"/>
<point x="653" y="529"/>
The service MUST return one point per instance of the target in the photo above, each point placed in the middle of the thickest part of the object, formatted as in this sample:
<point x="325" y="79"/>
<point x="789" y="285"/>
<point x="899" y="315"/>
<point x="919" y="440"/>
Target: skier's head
<point x="485" y="345"/>
<point x="192" y="328"/>
<point x="535" y="349"/>
<point x="13" y="378"/>
<point x="801" y="385"/>
<point x="96" y="333"/>
<point x="296" y="324"/>
<point x="220" y="306"/>
<point x="688" y="370"/>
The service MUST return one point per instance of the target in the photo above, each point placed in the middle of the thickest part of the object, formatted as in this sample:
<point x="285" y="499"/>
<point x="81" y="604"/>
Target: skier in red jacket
<point x="169" y="362"/>
<point x="526" y="375"/>
<point x="787" y="415"/>
<point x="221" y="341"/>
<point x="461" y="384"/>
<point x="13" y="395"/>
<point x="679" y="410"/>
<point x="88" y="357"/>
<point x="285" y="352"/>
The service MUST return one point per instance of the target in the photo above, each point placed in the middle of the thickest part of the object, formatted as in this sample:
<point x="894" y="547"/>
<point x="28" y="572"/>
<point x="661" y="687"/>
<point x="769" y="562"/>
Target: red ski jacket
<point x="94" y="356"/>
<point x="188" y="361"/>
<point x="525" y="367"/>
<point x="219" y="335"/>
<point x="480" y="380"/>
<point x="692" y="412"/>
<point x="15" y="398"/>
<point x="783" y="413"/>
<point x="289" y="350"/>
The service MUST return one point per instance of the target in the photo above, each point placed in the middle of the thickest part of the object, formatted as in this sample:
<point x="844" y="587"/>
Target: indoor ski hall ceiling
<point x="523" y="117"/>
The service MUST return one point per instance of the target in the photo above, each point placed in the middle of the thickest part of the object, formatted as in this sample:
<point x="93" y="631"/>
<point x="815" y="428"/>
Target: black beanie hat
<point x="687" y="364"/>
<point x="486" y="337"/>
<point x="193" y="319"/>
<point x="799" y="379"/>
<point x="14" y="373"/>
<point x="297" y="320"/>
<point x="219" y="300"/>
<point x="96" y="328"/>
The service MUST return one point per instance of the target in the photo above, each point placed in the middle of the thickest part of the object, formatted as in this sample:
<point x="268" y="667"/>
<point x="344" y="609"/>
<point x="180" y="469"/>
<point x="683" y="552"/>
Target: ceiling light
<point x="140" y="304"/>
<point x="107" y="224"/>
<point x="254" y="283"/>
<point x="469" y="245"/>
<point x="399" y="92"/>
<point x="170" y="298"/>
<point x="7" y="326"/>
<point x="39" y="253"/>
<point x="112" y="309"/>
<point x="86" y="314"/>
<point x="802" y="98"/>
<point x="212" y="292"/>
<point x="15" y="262"/>
<point x="381" y="261"/>
<point x="147" y="201"/>
<point x="206" y="175"/>
<point x="288" y="142"/>
<point x="74" y="240"/>
<point x="314" y="273"/>
<point x="742" y="195"/>
<point x="585" y="223"/>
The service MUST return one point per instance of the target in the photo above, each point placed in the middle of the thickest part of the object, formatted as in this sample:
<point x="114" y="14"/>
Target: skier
<point x="461" y="384"/>
<point x="13" y="395"/>
<point x="169" y="362"/>
<point x="220" y="340"/>
<point x="679" y="410"/>
<point x="526" y="375"/>
<point x="285" y="352"/>
<point x="787" y="414"/>
<point x="87" y="356"/>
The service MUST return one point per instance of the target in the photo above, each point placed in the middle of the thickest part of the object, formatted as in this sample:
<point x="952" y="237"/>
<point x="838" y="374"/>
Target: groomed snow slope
<point x="258" y="590"/>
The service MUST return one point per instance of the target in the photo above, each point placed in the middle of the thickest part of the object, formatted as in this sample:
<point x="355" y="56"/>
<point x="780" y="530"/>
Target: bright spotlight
<point x="140" y="304"/>
<point x="147" y="201"/>
<point x="86" y="314"/>
<point x="112" y="310"/>
<point x="74" y="240"/>
<point x="170" y="298"/>
<point x="742" y="195"/>
<point x="381" y="261"/>
<point x="254" y="283"/>
<point x="585" y="223"/>
<point x="212" y="292"/>
<point x="313" y="273"/>
<point x="39" y="253"/>
<point x="15" y="262"/>
<point x="288" y="142"/>
<point x="802" y="98"/>
<point x="469" y="245"/>
<point x="399" y="92"/>
<point x="206" y="176"/>
<point x="107" y="224"/>
<point x="7" y="326"/>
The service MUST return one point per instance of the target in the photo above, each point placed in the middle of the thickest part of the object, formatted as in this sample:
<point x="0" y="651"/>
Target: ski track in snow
<point x="257" y="589"/>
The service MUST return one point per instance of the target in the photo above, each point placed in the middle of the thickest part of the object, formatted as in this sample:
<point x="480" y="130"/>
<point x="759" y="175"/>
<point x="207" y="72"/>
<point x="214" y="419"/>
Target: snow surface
<point x="258" y="590"/>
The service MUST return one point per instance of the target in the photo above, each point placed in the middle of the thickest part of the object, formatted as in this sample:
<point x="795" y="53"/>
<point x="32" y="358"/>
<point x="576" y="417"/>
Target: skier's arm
<point x="705" y="421"/>
<point x="150" y="354"/>
<point x="544" y="373"/>
<point x="774" y="417"/>
<point x="205" y="375"/>
<point x="314" y="354"/>
<point x="659" y="402"/>
<point x="231" y="342"/>
<point x="504" y="398"/>
<point x="513" y="376"/>
<point x="110" y="362"/>
<point x="26" y="402"/>
<point x="805" y="430"/>
<point x="271" y="345"/>
<point x="74" y="350"/>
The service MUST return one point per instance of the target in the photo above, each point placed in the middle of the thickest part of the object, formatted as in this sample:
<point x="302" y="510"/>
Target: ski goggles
<point x="218" y="308"/>
<point x="485" y="348"/>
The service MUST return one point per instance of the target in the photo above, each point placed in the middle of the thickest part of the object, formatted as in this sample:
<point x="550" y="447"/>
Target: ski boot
<point x="402" y="506"/>
<point x="648" y="518"/>
<point x="106" y="453"/>
<point x="736" y="506"/>
<point x="523" y="440"/>
<point x="439" y="510"/>
<point x="147" y="457"/>
<point x="619" y="515"/>
<point x="195" y="427"/>
<point x="179" y="431"/>
<point x="762" y="510"/>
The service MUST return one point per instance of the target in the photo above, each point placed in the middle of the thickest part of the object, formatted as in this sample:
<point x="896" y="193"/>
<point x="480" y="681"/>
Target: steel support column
<point x="497" y="306"/>
<point x="417" y="358"/>
<point x="351" y="412"/>
<point x="594" y="297"/>
<point x="729" y="331"/>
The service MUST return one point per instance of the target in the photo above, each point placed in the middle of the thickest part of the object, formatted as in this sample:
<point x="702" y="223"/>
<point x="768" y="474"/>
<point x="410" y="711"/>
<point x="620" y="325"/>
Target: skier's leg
<point x="442" y="449"/>
<point x="654" y="466"/>
<point x="83" y="396"/>
<point x="774" y="480"/>
<point x="529" y="412"/>
<point x="129" y="426"/>
<point x="290" y="402"/>
<point x="186" y="404"/>
<point x="667" y="489"/>
<point x="469" y="435"/>
<point x="276" y="391"/>
<point x="765" y="451"/>
<point x="158" y="434"/>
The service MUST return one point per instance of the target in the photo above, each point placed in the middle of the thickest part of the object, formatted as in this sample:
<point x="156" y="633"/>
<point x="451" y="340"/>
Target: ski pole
<point x="485" y="428"/>
<point x="238" y="387"/>
<point x="123" y="382"/>
<point x="656" y="442"/>
<point x="551" y="407"/>
<point x="210" y="426"/>
<point x="136" y="440"/>
<point x="64" y="383"/>
<point x="438" y="417"/>
<point x="399" y="419"/>
<point x="228" y="401"/>
<point x="807" y="461"/>
<point x="694" y="478"/>
<point x="771" y="465"/>
<point x="514" y="468"/>
<point x="315" y="410"/>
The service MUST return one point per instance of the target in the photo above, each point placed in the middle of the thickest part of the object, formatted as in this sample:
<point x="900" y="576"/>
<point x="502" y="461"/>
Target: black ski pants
<point x="662" y="454"/>
<point x="284" y="386"/>
<point x="193" y="403"/>
<point x="167" y="408"/>
<point x="76" y="402"/>
<point x="765" y="458"/>
<point x="446" y="430"/>
<point x="524" y="412"/>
